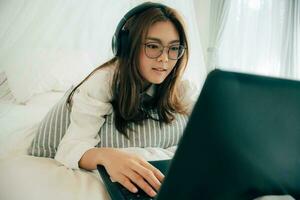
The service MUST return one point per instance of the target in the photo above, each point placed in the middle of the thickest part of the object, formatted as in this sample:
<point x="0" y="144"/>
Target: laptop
<point x="242" y="141"/>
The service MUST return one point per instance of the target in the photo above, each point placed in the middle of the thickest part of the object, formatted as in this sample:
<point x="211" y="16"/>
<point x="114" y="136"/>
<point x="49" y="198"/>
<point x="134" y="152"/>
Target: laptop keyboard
<point x="140" y="195"/>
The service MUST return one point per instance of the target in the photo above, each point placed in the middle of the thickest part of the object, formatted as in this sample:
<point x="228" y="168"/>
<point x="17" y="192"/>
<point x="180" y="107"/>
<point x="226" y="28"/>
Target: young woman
<point x="141" y="83"/>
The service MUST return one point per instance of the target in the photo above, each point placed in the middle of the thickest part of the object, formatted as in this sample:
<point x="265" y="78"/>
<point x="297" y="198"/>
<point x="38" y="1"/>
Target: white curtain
<point x="218" y="18"/>
<point x="262" y="37"/>
<point x="290" y="60"/>
<point x="35" y="32"/>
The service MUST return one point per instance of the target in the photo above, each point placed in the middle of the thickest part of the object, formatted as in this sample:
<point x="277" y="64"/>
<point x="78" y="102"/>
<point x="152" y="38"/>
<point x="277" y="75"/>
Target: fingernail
<point x="134" y="190"/>
<point x="153" y="193"/>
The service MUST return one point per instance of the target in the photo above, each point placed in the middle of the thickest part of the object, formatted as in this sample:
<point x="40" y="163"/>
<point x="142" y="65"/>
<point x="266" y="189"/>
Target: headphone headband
<point x="116" y="41"/>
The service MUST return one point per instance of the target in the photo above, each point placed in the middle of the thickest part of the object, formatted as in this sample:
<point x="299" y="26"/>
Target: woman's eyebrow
<point x="158" y="40"/>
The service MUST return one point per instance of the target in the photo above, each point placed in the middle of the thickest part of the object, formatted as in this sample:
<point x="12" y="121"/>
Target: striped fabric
<point x="51" y="129"/>
<point x="149" y="134"/>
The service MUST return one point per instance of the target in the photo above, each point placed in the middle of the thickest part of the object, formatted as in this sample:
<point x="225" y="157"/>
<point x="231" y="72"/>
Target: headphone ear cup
<point x="123" y="43"/>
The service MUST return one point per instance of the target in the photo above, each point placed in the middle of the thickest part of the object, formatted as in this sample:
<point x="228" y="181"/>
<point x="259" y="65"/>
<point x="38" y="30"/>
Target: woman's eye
<point x="152" y="46"/>
<point x="174" y="48"/>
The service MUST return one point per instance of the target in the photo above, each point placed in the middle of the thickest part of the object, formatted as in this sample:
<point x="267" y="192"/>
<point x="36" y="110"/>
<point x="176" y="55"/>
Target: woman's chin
<point x="157" y="81"/>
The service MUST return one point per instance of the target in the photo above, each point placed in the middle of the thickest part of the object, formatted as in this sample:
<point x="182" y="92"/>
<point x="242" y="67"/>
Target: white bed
<point x="27" y="177"/>
<point x="34" y="178"/>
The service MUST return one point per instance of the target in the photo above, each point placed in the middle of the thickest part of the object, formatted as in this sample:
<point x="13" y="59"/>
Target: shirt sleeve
<point x="188" y="94"/>
<point x="90" y="103"/>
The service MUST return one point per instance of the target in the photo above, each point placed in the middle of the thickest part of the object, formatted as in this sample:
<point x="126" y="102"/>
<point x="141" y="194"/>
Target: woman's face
<point x="155" y="70"/>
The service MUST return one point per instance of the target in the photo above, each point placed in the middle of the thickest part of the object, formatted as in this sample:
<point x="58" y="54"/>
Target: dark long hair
<point x="127" y="81"/>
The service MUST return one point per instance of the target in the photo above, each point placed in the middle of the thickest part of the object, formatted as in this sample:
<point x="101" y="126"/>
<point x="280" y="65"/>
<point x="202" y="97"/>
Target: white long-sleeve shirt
<point x="90" y="104"/>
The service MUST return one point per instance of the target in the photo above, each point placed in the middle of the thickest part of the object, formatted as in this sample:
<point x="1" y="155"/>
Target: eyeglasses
<point x="154" y="50"/>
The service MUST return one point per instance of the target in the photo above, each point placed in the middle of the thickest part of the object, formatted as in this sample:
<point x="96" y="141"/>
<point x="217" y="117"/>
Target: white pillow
<point x="36" y="71"/>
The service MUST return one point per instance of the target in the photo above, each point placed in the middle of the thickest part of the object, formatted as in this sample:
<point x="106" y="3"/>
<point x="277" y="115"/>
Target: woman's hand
<point x="127" y="169"/>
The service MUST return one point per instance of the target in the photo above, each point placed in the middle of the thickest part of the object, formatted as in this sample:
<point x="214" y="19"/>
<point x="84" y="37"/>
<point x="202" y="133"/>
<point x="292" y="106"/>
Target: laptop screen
<point x="242" y="141"/>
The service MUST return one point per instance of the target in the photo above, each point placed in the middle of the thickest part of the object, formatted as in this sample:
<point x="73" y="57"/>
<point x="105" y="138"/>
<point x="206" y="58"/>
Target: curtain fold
<point x="262" y="37"/>
<point x="290" y="61"/>
<point x="218" y="18"/>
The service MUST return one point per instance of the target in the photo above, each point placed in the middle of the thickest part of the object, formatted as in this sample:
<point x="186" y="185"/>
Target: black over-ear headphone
<point x="120" y="38"/>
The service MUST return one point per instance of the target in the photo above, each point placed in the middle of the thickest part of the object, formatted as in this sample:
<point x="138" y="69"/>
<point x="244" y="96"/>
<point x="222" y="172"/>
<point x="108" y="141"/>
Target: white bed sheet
<point x="18" y="121"/>
<point x="33" y="178"/>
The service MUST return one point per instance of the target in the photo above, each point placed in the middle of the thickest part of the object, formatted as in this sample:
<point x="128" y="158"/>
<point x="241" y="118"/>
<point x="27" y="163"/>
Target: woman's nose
<point x="164" y="56"/>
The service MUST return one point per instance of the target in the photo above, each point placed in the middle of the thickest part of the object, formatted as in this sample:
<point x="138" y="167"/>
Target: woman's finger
<point x="148" y="175"/>
<point x="140" y="182"/>
<point x="123" y="180"/>
<point x="155" y="171"/>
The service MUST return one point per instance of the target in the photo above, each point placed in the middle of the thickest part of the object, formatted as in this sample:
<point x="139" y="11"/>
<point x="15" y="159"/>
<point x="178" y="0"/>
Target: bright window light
<point x="254" y="4"/>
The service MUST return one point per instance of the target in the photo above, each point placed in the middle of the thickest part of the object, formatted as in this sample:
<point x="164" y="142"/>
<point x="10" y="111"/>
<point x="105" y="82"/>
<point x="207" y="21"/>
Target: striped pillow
<point x="51" y="129"/>
<point x="148" y="134"/>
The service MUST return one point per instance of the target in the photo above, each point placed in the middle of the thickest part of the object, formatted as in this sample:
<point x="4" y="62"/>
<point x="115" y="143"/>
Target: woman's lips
<point x="159" y="69"/>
